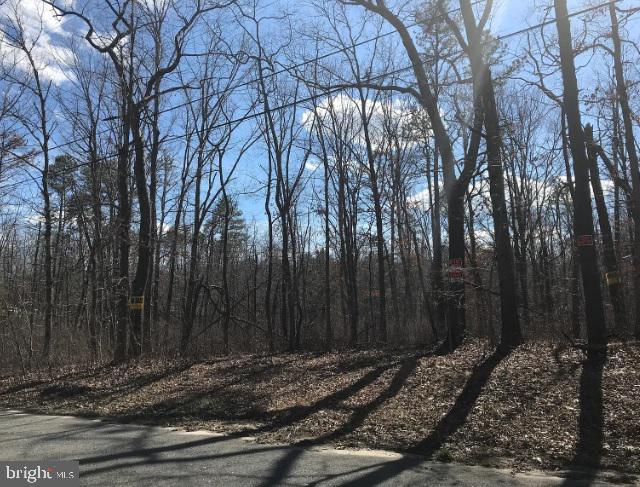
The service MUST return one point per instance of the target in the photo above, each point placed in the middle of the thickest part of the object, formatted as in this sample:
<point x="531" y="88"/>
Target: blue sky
<point x="60" y="39"/>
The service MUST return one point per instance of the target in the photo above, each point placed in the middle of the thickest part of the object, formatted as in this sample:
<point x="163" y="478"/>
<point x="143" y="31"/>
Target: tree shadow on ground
<point x="589" y="448"/>
<point x="280" y="419"/>
<point x="19" y="386"/>
<point x="358" y="416"/>
<point x="145" y="456"/>
<point x="283" y="418"/>
<point x="65" y="386"/>
<point x="448" y="425"/>
<point x="144" y="380"/>
<point x="445" y="427"/>
<point x="361" y="413"/>
<point x="466" y="400"/>
<point x="23" y="386"/>
<point x="294" y="414"/>
<point x="588" y="454"/>
<point x="195" y="405"/>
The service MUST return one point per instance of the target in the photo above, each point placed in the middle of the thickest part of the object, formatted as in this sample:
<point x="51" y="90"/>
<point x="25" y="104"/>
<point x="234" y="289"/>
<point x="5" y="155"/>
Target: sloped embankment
<point x="538" y="407"/>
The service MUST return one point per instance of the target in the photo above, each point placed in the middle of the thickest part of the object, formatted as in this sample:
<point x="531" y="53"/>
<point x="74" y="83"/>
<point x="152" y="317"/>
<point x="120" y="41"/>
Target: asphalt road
<point x="130" y="455"/>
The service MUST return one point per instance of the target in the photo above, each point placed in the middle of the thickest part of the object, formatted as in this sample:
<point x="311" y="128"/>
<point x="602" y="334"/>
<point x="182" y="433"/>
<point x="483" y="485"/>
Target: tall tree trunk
<point x="155" y="295"/>
<point x="48" y="268"/>
<point x="634" y="166"/>
<point x="377" y="209"/>
<point x="174" y="243"/>
<point x="269" y="277"/>
<point x="437" y="285"/>
<point x="511" y="333"/>
<point x="226" y="303"/>
<point x="123" y="219"/>
<point x="153" y="231"/>
<point x="192" y="291"/>
<point x="390" y="255"/>
<point x="574" y="289"/>
<point x="328" y="331"/>
<point x="139" y="284"/>
<point x="583" y="218"/>
<point x="475" y="267"/>
<point x="46" y="209"/>
<point x="613" y="277"/>
<point x="456" y="298"/>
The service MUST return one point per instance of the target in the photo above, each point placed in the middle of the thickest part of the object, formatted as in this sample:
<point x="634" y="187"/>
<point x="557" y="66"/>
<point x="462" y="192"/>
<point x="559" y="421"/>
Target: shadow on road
<point x="589" y="447"/>
<point x="446" y="426"/>
<point x="285" y="465"/>
<point x="463" y="405"/>
<point x="283" y="418"/>
<point x="139" y="455"/>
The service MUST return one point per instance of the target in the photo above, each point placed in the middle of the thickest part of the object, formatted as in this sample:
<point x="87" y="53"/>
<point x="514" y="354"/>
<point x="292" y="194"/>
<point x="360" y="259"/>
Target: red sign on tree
<point x="456" y="275"/>
<point x="584" y="240"/>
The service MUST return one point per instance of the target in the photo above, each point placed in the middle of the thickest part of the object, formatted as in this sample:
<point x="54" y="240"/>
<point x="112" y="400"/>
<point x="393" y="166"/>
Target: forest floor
<point x="539" y="407"/>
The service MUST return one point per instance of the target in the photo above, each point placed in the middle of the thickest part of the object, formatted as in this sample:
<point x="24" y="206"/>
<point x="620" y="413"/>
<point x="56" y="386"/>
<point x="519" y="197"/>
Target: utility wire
<point x="285" y="69"/>
<point x="306" y="99"/>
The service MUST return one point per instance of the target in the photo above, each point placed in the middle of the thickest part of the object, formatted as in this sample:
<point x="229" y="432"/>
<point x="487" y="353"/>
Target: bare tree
<point x="36" y="121"/>
<point x="583" y="219"/>
<point x="126" y="25"/>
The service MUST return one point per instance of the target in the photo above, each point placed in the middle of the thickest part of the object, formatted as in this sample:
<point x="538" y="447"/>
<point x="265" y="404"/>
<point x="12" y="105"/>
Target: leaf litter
<point x="521" y="411"/>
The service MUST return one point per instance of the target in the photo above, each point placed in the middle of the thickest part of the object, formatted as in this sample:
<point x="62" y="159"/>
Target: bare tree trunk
<point x="456" y="298"/>
<point x="390" y="255"/>
<point x="437" y="285"/>
<point x="226" y="318"/>
<point x="377" y="210"/>
<point x="174" y="242"/>
<point x="48" y="271"/>
<point x="582" y="202"/>
<point x="613" y="278"/>
<point x="155" y="295"/>
<point x="123" y="219"/>
<point x="269" y="277"/>
<point x="483" y="89"/>
<point x="511" y="333"/>
<point x="41" y="93"/>
<point x="139" y="283"/>
<point x="328" y="330"/>
<point x="153" y="230"/>
<point x="634" y="166"/>
<point x="192" y="290"/>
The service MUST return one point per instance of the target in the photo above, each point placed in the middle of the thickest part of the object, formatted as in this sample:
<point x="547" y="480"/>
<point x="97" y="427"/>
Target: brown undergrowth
<point x="539" y="406"/>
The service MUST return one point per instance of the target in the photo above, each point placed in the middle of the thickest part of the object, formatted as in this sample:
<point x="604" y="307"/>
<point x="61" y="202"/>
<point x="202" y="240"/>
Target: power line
<point x="311" y="97"/>
<point x="228" y="122"/>
<point x="286" y="69"/>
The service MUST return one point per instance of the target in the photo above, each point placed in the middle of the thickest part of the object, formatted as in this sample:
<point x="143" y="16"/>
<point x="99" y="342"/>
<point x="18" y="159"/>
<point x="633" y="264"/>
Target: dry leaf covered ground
<point x="537" y="407"/>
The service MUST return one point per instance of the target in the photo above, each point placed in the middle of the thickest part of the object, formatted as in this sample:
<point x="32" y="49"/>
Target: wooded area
<point x="203" y="177"/>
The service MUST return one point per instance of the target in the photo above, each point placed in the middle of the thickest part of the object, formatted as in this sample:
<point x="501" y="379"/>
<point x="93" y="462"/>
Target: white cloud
<point x="608" y="186"/>
<point x="419" y="199"/>
<point x="312" y="165"/>
<point x="166" y="227"/>
<point x="42" y="30"/>
<point x="34" y="219"/>
<point x="386" y="115"/>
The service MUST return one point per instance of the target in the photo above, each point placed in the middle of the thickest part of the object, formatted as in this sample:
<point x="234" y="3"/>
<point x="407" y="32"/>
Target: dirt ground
<point x="541" y="406"/>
